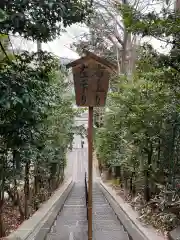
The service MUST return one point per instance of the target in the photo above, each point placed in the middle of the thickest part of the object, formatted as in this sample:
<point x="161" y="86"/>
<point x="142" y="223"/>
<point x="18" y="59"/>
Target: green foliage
<point x="41" y="20"/>
<point x="164" y="26"/>
<point x="36" y="126"/>
<point x="141" y="131"/>
<point x="36" y="111"/>
<point x="2" y="15"/>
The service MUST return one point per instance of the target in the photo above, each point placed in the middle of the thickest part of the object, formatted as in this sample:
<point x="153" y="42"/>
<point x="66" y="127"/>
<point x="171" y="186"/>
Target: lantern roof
<point x="89" y="55"/>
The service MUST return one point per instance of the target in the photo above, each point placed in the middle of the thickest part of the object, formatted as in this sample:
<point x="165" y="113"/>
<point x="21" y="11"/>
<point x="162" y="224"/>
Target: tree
<point x="42" y="20"/>
<point x="141" y="134"/>
<point x="108" y="35"/>
<point x="36" y="113"/>
<point x="36" y="122"/>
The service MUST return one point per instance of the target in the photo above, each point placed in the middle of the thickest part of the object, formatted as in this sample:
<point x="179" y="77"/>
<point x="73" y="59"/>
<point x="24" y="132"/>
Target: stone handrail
<point x="39" y="224"/>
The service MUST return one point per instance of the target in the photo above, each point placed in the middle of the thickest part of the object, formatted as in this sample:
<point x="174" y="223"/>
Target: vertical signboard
<point x="91" y="81"/>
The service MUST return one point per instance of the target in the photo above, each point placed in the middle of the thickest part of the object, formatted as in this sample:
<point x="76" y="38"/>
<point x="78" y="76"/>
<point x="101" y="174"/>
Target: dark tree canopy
<point x="41" y="20"/>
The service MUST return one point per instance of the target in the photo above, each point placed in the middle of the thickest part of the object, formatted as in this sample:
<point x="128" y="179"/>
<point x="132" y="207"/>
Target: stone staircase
<point x="71" y="222"/>
<point x="106" y="225"/>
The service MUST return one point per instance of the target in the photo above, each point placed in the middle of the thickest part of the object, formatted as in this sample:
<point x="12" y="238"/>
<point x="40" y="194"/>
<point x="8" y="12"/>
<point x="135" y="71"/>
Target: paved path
<point x="77" y="161"/>
<point x="77" y="164"/>
<point x="71" y="222"/>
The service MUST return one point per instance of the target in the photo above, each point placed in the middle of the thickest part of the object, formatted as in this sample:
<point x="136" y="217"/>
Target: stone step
<point x="110" y="235"/>
<point x="107" y="225"/>
<point x="65" y="235"/>
<point x="71" y="222"/>
<point x="83" y="226"/>
<point x="98" y="235"/>
<point x="73" y="210"/>
<point x="99" y="202"/>
<point x="73" y="218"/>
<point x="102" y="210"/>
<point x="71" y="228"/>
<point x="75" y="203"/>
<point x="97" y="225"/>
<point x="105" y="218"/>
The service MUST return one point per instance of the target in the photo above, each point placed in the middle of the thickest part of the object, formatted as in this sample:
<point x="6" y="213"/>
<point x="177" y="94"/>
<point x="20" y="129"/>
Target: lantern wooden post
<point x="91" y="80"/>
<point x="90" y="170"/>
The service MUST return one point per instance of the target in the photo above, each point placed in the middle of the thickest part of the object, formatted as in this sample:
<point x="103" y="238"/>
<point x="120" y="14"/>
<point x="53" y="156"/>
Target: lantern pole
<point x="90" y="170"/>
<point x="83" y="70"/>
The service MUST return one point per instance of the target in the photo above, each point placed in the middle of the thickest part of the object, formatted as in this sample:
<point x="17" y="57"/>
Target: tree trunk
<point x="131" y="183"/>
<point x="2" y="178"/>
<point x="52" y="179"/>
<point x="63" y="172"/>
<point x="18" y="201"/>
<point x="26" y="190"/>
<point x="16" y="167"/>
<point x="132" y="186"/>
<point x="2" y="232"/>
<point x="37" y="180"/>
<point x="125" y="186"/>
<point x="147" y="190"/>
<point x="59" y="176"/>
<point x="36" y="189"/>
<point x="109" y="173"/>
<point x="117" y="171"/>
<point x="172" y="156"/>
<point x="100" y="168"/>
<point x="159" y="154"/>
<point x="11" y="194"/>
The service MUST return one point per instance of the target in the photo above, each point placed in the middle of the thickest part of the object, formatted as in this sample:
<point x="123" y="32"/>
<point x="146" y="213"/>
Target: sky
<point x="60" y="46"/>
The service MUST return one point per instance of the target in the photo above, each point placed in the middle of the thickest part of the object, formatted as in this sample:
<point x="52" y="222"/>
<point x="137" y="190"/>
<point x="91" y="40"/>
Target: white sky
<point x="60" y="46"/>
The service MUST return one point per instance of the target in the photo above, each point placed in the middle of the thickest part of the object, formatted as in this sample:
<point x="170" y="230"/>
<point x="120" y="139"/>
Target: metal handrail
<point x="86" y="193"/>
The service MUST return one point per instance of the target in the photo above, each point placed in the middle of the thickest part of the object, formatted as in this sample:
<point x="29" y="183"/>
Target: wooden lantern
<point x="91" y="76"/>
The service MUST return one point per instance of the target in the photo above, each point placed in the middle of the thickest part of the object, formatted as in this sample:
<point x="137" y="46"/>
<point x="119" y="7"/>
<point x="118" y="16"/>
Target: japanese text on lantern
<point x="84" y="83"/>
<point x="91" y="84"/>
